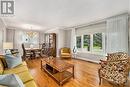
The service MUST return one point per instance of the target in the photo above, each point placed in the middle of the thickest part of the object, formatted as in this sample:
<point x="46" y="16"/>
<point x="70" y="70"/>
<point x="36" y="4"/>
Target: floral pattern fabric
<point x="116" y="68"/>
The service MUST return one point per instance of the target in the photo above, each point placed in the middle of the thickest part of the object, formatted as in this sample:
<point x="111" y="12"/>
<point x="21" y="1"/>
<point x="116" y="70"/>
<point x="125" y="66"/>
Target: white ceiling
<point x="48" y="14"/>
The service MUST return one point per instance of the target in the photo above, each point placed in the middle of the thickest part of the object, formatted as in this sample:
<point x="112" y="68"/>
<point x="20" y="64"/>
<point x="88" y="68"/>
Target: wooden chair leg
<point x="100" y="79"/>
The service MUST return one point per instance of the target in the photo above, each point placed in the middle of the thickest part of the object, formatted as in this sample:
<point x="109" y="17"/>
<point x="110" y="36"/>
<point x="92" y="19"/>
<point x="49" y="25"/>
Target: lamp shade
<point x="7" y="45"/>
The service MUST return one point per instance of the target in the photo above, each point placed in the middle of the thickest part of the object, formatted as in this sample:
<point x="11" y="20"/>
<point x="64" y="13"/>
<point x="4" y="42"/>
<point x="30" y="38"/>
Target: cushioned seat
<point x="21" y="70"/>
<point x="25" y="76"/>
<point x="21" y="65"/>
<point x="1" y="68"/>
<point x="15" y="70"/>
<point x="30" y="84"/>
<point x="115" y="69"/>
<point x="65" y="52"/>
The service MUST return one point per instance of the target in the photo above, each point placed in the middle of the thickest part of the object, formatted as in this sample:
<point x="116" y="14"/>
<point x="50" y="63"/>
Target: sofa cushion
<point x="21" y="65"/>
<point x="24" y="63"/>
<point x="3" y="61"/>
<point x="16" y="70"/>
<point x="1" y="67"/>
<point x="25" y="76"/>
<point x="30" y="84"/>
<point x="11" y="80"/>
<point x="13" y="61"/>
<point x="3" y="86"/>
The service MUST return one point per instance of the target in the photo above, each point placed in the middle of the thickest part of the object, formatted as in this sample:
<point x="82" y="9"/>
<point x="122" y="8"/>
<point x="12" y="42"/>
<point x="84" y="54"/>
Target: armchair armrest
<point x="103" y="63"/>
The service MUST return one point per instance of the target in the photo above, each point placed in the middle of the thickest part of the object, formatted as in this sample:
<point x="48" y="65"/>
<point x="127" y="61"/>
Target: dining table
<point x="33" y="50"/>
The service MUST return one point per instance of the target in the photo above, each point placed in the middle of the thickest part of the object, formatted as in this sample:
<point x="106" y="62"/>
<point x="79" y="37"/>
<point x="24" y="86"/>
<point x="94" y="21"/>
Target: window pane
<point x="78" y="41"/>
<point x="97" y="42"/>
<point x="86" y="42"/>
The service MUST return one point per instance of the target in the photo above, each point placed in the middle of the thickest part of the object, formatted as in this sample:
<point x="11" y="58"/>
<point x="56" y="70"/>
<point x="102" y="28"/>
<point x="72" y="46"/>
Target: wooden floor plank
<point x="86" y="75"/>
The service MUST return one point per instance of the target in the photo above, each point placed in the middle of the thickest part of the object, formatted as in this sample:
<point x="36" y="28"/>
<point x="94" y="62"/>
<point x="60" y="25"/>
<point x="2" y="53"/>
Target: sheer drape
<point x="73" y="39"/>
<point x="117" y="34"/>
<point x="18" y="40"/>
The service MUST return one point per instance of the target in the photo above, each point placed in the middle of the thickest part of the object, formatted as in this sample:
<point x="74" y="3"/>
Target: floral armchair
<point x="115" y="69"/>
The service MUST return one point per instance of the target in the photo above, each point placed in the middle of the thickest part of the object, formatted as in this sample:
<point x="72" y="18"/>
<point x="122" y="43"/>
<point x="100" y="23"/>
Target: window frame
<point x="82" y="49"/>
<point x="81" y="41"/>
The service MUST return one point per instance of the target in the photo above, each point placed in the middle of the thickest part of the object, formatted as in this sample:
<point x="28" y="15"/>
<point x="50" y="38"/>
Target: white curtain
<point x="117" y="34"/>
<point x="18" y="40"/>
<point x="73" y="39"/>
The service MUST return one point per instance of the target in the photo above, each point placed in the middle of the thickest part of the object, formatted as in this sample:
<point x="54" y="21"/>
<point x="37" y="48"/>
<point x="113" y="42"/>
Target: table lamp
<point x="7" y="46"/>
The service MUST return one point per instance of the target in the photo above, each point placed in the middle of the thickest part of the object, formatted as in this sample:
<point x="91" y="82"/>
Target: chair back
<point x="117" y="56"/>
<point x="24" y="51"/>
<point x="117" y="71"/>
<point x="65" y="50"/>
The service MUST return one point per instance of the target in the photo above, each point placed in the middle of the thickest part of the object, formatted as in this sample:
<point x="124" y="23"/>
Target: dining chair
<point x="26" y="53"/>
<point x="38" y="53"/>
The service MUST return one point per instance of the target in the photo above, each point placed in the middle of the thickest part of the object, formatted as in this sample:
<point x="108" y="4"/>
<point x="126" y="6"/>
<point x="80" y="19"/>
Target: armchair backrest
<point x="118" y="71"/>
<point x="65" y="50"/>
<point x="117" y="56"/>
<point x="116" y="68"/>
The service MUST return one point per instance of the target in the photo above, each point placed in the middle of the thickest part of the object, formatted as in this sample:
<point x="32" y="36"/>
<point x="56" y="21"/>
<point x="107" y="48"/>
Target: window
<point x="92" y="43"/>
<point x="78" y="41"/>
<point x="86" y="42"/>
<point x="97" y="42"/>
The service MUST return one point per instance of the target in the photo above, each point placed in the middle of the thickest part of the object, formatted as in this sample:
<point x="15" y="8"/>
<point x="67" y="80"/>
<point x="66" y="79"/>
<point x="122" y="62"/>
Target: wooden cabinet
<point x="50" y="41"/>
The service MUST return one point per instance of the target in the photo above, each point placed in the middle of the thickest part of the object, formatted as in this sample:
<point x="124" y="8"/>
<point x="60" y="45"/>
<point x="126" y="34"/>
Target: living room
<point x="83" y="43"/>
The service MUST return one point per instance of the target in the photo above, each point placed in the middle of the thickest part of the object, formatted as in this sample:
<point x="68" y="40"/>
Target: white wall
<point x="2" y="33"/>
<point x="68" y="38"/>
<point x="41" y="37"/>
<point x="10" y="35"/>
<point x="89" y="56"/>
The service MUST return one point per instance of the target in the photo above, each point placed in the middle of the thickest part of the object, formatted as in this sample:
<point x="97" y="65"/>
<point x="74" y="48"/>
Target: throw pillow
<point x="11" y="80"/>
<point x="13" y="61"/>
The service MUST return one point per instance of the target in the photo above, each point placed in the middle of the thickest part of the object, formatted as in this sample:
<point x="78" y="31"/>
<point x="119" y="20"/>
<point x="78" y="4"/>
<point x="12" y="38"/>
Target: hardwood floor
<point x="86" y="75"/>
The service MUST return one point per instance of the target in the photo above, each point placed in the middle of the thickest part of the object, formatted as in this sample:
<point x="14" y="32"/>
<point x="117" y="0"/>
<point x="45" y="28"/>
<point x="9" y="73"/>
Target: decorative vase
<point x="74" y="49"/>
<point x="31" y="46"/>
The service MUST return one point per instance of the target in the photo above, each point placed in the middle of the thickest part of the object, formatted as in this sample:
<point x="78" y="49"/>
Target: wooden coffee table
<point x="58" y="69"/>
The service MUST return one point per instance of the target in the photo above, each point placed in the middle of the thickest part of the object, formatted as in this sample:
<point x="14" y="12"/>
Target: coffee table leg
<point x="41" y="64"/>
<point x="60" y="78"/>
<point x="73" y="71"/>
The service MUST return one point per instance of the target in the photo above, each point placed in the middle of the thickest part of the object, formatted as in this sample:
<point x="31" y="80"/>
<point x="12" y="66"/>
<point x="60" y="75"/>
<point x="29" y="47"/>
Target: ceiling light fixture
<point x="31" y="33"/>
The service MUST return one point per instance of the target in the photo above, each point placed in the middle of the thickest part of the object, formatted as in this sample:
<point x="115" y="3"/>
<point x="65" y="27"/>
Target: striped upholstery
<point x="4" y="62"/>
<point x="1" y="67"/>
